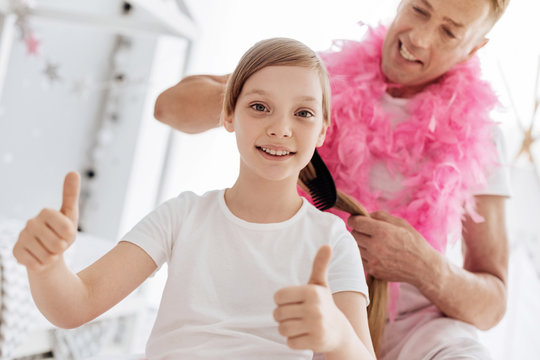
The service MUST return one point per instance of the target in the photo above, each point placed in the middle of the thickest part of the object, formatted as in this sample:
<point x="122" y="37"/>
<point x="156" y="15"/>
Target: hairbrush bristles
<point x="319" y="183"/>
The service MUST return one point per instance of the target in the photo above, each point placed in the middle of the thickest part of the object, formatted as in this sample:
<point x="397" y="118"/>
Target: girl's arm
<point x="353" y="305"/>
<point x="66" y="299"/>
<point x="70" y="300"/>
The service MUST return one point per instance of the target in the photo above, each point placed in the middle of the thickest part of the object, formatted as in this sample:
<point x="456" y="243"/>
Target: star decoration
<point x="526" y="145"/>
<point x="51" y="71"/>
<point x="32" y="44"/>
<point x="528" y="138"/>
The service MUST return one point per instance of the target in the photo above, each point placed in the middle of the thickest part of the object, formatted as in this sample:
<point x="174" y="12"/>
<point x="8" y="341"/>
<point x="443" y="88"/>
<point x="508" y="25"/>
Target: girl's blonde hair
<point x="275" y="52"/>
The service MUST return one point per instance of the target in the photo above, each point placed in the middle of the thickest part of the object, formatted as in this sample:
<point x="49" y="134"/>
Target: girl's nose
<point x="280" y="127"/>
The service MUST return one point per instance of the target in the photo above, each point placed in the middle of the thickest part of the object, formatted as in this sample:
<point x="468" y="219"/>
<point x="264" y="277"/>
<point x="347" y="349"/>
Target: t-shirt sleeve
<point x="346" y="272"/>
<point x="155" y="233"/>
<point x="498" y="181"/>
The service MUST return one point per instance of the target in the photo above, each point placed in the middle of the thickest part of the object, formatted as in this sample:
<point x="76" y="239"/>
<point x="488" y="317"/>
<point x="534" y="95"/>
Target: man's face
<point x="428" y="37"/>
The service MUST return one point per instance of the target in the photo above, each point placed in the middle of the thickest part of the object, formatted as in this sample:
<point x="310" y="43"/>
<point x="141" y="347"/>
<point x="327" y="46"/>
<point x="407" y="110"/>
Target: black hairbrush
<point x="316" y="179"/>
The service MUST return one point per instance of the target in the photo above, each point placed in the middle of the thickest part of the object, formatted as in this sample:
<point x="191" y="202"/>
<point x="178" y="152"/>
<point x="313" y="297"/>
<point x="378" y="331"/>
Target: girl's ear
<point x="322" y="135"/>
<point x="228" y="122"/>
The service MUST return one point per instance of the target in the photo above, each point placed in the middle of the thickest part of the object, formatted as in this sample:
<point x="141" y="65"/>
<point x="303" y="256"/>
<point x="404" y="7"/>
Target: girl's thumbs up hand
<point x="70" y="197"/>
<point x="319" y="271"/>
<point x="307" y="314"/>
<point x="46" y="236"/>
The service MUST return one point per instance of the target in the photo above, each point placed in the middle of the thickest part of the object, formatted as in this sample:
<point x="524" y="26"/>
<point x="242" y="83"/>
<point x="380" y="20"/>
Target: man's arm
<point x="193" y="105"/>
<point x="393" y="250"/>
<point x="476" y="293"/>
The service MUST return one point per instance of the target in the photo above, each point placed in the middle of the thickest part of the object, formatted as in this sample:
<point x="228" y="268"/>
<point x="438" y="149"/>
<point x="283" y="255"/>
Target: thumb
<point x="70" y="196"/>
<point x="319" y="272"/>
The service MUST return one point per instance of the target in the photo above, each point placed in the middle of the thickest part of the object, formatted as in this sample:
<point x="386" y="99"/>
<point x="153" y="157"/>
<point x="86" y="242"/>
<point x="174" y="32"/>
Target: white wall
<point x="48" y="128"/>
<point x="44" y="127"/>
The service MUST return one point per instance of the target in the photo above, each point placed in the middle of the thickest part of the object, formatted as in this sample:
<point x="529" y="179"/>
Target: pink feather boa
<point x="443" y="151"/>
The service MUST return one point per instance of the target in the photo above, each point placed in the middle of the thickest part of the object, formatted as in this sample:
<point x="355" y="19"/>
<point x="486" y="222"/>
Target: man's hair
<point x="275" y="52"/>
<point x="498" y="7"/>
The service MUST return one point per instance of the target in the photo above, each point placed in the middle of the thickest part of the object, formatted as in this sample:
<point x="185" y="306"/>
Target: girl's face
<point x="278" y="121"/>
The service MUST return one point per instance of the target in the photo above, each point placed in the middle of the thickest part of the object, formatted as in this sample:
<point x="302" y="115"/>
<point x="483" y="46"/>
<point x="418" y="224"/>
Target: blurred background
<point x="78" y="83"/>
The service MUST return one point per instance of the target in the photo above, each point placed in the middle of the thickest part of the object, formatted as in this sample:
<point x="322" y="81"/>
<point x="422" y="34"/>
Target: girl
<point x="239" y="260"/>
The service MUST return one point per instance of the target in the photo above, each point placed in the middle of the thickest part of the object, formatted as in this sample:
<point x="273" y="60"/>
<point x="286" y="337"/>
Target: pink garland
<point x="443" y="151"/>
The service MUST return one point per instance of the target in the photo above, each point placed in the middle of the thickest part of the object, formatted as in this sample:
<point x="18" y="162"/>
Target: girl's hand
<point x="45" y="237"/>
<point x="307" y="314"/>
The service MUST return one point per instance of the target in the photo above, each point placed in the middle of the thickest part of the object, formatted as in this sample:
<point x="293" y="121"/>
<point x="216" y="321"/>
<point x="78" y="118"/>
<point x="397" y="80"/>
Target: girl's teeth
<point x="275" y="152"/>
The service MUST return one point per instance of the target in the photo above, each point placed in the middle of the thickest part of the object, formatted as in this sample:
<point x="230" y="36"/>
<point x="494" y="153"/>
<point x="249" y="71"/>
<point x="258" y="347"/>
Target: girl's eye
<point x="258" y="107"/>
<point x="304" y="113"/>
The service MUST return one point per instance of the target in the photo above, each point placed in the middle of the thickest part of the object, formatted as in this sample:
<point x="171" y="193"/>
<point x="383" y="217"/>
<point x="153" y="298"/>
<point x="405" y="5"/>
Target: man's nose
<point x="422" y="36"/>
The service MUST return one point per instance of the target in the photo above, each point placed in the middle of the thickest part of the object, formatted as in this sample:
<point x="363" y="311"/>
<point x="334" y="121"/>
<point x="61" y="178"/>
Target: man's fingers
<point x="70" y="197"/>
<point x="361" y="224"/>
<point x="386" y="217"/>
<point x="319" y="272"/>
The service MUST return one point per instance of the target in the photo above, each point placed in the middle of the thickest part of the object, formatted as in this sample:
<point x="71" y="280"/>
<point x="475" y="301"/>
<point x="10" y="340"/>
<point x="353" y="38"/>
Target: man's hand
<point x="391" y="248"/>
<point x="45" y="237"/>
<point x="307" y="314"/>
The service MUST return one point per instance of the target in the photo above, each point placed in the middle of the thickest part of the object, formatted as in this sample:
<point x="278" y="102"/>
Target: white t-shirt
<point x="223" y="273"/>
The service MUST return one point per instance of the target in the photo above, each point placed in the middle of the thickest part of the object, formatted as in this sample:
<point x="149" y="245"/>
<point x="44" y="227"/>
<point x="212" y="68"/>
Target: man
<point x="409" y="137"/>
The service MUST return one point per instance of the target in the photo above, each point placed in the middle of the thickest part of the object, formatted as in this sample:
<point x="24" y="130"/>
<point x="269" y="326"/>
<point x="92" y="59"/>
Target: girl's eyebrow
<point x="306" y="98"/>
<point x="257" y="92"/>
